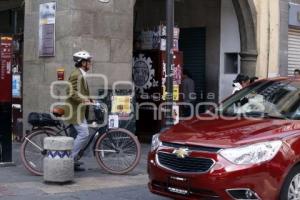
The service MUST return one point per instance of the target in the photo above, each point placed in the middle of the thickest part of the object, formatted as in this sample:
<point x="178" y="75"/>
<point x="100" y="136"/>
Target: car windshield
<point x="268" y="98"/>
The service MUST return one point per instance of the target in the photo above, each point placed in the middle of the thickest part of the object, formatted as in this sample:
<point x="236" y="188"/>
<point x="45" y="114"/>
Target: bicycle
<point x="117" y="151"/>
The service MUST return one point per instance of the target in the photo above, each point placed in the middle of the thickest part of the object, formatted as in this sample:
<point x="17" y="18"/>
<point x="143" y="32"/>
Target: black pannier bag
<point x="41" y="119"/>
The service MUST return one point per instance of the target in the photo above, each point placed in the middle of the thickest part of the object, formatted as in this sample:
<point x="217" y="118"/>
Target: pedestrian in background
<point x="297" y="73"/>
<point x="253" y="79"/>
<point x="188" y="91"/>
<point x="240" y="82"/>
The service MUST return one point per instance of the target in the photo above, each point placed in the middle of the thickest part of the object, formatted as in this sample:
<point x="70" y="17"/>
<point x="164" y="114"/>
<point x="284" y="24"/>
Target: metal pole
<point x="169" y="70"/>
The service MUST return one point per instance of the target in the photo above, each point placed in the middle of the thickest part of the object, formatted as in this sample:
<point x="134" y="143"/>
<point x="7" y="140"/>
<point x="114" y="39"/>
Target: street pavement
<point x="94" y="183"/>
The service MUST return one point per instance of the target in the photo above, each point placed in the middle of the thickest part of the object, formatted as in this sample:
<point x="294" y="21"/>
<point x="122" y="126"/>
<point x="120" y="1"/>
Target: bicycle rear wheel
<point x="32" y="150"/>
<point x="118" y="151"/>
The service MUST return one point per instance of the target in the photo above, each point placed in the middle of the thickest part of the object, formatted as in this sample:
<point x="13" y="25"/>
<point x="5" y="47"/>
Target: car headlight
<point x="155" y="142"/>
<point x="252" y="154"/>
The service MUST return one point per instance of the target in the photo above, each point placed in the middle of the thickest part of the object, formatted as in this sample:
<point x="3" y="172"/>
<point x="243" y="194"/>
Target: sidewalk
<point x="17" y="183"/>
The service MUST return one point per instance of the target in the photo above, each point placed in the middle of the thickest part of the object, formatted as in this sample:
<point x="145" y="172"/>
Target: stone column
<point x="247" y="24"/>
<point x="248" y="63"/>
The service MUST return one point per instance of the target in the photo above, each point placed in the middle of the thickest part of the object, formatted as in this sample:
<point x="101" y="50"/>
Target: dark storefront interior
<point x="190" y="46"/>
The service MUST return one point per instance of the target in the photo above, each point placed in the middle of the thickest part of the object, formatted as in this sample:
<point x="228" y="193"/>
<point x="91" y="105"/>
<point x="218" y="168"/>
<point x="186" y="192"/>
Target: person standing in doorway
<point x="188" y="91"/>
<point x="78" y="97"/>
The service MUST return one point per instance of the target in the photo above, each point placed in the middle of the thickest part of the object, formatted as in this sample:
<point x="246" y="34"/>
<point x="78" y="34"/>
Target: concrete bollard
<point x="58" y="164"/>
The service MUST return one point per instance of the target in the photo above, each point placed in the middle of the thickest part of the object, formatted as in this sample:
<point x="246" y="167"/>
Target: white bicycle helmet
<point x="81" y="55"/>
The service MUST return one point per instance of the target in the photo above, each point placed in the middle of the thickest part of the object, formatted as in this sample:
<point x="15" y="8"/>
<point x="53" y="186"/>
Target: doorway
<point x="192" y="44"/>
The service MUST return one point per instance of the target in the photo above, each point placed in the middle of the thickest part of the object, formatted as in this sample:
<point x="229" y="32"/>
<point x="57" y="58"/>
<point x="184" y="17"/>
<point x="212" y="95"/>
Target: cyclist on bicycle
<point x="79" y="95"/>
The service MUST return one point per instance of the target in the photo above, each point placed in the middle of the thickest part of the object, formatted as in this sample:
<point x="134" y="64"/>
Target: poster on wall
<point x="175" y="92"/>
<point x="176" y="71"/>
<point x="47" y="29"/>
<point x="16" y="85"/>
<point x="113" y="121"/>
<point x="121" y="105"/>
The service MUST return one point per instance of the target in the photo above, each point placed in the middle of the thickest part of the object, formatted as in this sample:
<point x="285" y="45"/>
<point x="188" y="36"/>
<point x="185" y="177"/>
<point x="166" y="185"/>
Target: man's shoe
<point x="77" y="168"/>
<point x="78" y="163"/>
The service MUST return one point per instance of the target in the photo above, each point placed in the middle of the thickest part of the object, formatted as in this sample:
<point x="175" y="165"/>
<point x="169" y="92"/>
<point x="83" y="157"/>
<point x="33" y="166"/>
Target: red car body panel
<point x="229" y="133"/>
<point x="265" y="179"/>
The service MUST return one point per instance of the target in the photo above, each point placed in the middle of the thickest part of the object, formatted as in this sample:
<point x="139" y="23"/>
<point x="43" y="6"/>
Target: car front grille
<point x="187" y="164"/>
<point x="192" y="147"/>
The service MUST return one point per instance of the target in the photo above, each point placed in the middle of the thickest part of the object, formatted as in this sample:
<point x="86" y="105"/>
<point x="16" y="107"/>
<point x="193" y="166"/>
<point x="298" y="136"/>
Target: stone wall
<point x="104" y="29"/>
<point x="230" y="43"/>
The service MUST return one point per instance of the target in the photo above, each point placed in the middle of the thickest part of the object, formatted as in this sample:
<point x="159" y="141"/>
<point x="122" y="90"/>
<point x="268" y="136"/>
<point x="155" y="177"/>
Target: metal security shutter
<point x="293" y="50"/>
<point x="192" y="44"/>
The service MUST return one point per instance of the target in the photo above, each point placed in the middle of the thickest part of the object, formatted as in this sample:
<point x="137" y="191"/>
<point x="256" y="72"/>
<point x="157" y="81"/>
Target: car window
<point x="272" y="98"/>
<point x="294" y="111"/>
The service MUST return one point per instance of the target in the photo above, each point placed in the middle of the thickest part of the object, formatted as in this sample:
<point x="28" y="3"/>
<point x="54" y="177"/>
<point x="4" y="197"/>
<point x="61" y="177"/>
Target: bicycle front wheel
<point x="32" y="150"/>
<point x="118" y="151"/>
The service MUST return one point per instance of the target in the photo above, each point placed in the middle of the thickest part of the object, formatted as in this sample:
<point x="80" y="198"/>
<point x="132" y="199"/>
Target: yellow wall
<point x="268" y="17"/>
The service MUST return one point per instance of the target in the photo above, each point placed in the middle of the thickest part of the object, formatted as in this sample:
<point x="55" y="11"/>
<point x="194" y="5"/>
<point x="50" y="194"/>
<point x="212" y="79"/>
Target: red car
<point x="248" y="149"/>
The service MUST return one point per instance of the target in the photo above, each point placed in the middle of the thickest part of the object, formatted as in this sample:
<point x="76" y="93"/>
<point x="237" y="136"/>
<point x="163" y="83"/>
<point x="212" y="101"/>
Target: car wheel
<point x="291" y="187"/>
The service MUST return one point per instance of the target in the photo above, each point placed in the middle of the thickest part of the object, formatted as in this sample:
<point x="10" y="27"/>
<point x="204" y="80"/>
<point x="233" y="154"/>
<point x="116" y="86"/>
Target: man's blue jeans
<point x="81" y="138"/>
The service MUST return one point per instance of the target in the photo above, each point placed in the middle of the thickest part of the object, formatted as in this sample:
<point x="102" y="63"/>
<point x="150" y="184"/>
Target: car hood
<point x="229" y="133"/>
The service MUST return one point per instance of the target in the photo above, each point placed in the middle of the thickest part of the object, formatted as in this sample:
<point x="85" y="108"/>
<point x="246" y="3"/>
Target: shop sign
<point x="16" y="85"/>
<point x="47" y="29"/>
<point x="5" y="68"/>
<point x="143" y="73"/>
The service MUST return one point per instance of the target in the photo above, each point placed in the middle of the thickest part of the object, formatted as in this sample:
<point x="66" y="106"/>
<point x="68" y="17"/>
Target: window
<point x="231" y="63"/>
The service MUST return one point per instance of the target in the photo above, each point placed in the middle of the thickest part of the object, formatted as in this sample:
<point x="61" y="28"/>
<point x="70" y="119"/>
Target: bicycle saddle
<point x="58" y="112"/>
